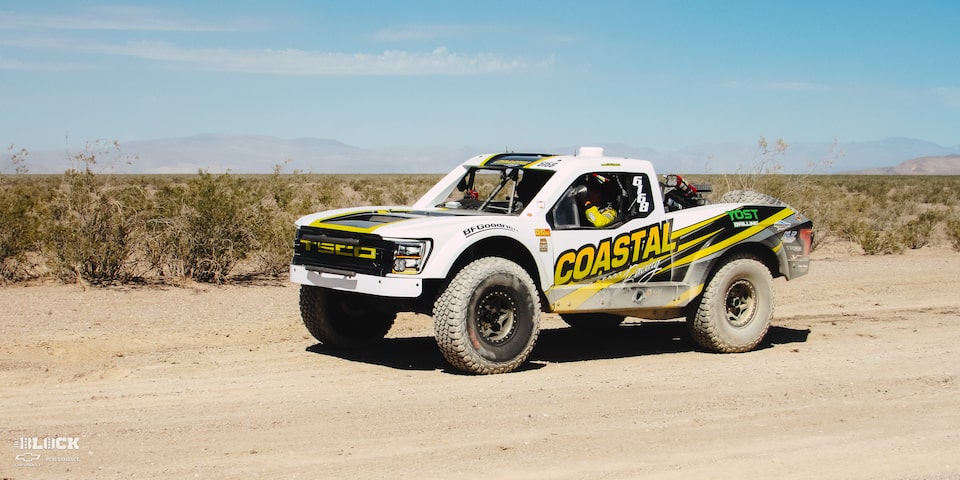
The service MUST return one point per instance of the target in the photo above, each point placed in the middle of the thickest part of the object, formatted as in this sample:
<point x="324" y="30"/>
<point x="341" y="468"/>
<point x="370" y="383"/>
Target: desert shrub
<point x="93" y="229"/>
<point x="873" y="239"/>
<point x="20" y="204"/>
<point x="328" y="192"/>
<point x="371" y="192"/>
<point x="272" y="221"/>
<point x="953" y="232"/>
<point x="22" y="207"/>
<point x="105" y="228"/>
<point x="205" y="227"/>
<point x="917" y="232"/>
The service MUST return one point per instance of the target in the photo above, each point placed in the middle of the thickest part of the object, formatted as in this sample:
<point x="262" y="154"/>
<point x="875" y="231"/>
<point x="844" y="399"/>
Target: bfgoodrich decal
<point x="483" y="227"/>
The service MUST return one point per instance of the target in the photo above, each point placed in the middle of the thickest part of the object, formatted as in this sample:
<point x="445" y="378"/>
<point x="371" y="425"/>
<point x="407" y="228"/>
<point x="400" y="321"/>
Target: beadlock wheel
<point x="488" y="317"/>
<point x="741" y="303"/>
<point x="733" y="313"/>
<point x="496" y="317"/>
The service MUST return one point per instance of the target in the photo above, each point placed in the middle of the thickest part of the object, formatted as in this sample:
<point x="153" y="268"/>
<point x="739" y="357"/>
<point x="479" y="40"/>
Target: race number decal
<point x="643" y="195"/>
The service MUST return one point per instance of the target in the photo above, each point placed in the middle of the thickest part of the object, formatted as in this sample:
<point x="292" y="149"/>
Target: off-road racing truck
<point x="507" y="236"/>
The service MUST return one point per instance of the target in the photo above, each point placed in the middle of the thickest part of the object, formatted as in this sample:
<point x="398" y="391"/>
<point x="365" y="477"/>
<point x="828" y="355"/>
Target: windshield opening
<point x="498" y="189"/>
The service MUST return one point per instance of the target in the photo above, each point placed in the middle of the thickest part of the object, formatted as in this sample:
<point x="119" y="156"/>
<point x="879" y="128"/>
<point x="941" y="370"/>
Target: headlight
<point x="410" y="255"/>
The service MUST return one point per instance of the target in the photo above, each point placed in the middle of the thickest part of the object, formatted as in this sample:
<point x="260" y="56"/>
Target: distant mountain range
<point x="940" y="165"/>
<point x="261" y="154"/>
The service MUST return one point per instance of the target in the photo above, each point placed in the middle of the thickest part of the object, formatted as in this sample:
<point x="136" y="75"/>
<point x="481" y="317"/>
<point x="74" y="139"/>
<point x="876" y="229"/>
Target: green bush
<point x="953" y="232"/>
<point x="917" y="233"/>
<point x="105" y="229"/>
<point x="22" y="207"/>
<point x="205" y="227"/>
<point x="93" y="228"/>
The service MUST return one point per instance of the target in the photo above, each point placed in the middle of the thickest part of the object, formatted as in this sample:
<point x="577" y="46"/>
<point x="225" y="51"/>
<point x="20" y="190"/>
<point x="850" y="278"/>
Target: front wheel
<point x="734" y="313"/>
<point x="488" y="318"/>
<point x="342" y="320"/>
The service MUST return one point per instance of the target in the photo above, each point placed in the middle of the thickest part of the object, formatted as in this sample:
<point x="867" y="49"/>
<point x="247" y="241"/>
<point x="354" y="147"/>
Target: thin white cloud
<point x="439" y="33"/>
<point x="949" y="95"/>
<point x="778" y="86"/>
<point x="15" y="64"/>
<point x="440" y="61"/>
<point x="114" y="18"/>
<point x="423" y="32"/>
<point x="791" y="86"/>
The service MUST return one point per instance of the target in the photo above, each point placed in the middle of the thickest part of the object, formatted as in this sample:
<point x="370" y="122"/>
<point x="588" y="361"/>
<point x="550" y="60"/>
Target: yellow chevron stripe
<point x="686" y="296"/>
<point x="786" y="212"/>
<point x="535" y="162"/>
<point x="685" y="230"/>
<point x="322" y="223"/>
<point x="344" y="228"/>
<point x="485" y="160"/>
<point x="684" y="246"/>
<point x="581" y="295"/>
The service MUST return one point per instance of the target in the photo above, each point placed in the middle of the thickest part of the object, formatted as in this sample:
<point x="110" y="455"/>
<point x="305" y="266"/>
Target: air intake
<point x="590" y="152"/>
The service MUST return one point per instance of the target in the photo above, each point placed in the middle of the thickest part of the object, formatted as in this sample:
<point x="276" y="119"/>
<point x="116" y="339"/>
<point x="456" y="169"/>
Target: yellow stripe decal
<point x="685" y="230"/>
<point x="485" y="160"/>
<point x="580" y="296"/>
<point x="345" y="228"/>
<point x="686" y="296"/>
<point x="535" y="162"/>
<point x="322" y="222"/>
<point x="786" y="212"/>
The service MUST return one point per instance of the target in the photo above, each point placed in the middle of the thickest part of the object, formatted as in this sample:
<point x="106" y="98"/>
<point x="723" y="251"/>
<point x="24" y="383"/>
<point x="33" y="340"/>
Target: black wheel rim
<point x="496" y="317"/>
<point x="741" y="303"/>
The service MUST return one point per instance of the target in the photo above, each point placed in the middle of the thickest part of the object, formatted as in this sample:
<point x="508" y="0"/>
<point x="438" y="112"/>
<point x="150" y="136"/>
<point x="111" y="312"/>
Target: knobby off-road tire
<point x="488" y="318"/>
<point x="342" y="320"/>
<point x="594" y="322"/>
<point x="734" y="312"/>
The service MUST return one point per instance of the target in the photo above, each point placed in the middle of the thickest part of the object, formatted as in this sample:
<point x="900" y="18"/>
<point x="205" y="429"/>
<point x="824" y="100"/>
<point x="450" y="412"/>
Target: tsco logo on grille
<point x="330" y="248"/>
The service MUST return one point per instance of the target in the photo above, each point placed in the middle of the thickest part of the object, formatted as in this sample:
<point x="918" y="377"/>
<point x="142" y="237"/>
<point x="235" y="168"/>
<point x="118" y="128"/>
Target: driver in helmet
<point x="598" y="206"/>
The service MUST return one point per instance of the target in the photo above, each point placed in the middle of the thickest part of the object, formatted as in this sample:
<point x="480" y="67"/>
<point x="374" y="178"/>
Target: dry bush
<point x="205" y="227"/>
<point x="100" y="228"/>
<point x="953" y="231"/>
<point x="22" y="210"/>
<point x="93" y="223"/>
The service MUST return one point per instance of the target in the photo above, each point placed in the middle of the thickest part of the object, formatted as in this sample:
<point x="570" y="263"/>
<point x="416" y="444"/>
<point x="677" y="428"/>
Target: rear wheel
<point x="734" y="312"/>
<point x="341" y="319"/>
<point x="488" y="318"/>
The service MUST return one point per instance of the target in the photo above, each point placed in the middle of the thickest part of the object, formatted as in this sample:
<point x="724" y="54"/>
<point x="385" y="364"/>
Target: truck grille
<point x="343" y="251"/>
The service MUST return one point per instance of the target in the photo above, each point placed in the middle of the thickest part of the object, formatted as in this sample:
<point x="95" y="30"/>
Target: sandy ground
<point x="859" y="378"/>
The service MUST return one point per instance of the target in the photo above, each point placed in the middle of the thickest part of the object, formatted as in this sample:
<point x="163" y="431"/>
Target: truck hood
<point x="405" y="222"/>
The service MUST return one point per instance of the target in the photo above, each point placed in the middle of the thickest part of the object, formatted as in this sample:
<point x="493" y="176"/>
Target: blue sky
<point x="491" y="74"/>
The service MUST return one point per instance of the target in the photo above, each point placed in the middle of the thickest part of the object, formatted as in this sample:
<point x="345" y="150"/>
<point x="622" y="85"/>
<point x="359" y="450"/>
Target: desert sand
<point x="859" y="378"/>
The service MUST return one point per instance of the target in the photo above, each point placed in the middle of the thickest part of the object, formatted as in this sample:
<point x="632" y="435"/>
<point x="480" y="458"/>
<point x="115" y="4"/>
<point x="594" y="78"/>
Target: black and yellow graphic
<point x="657" y="256"/>
<point x="614" y="254"/>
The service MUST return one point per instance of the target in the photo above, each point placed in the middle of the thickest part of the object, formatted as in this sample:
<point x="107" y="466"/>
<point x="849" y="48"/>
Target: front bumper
<point x="388" y="286"/>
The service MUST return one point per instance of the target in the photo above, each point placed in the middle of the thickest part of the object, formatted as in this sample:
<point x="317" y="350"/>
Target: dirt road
<point x="859" y="378"/>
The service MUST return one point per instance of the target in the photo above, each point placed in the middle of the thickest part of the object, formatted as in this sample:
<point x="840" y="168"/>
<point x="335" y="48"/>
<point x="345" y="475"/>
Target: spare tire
<point x="751" y="197"/>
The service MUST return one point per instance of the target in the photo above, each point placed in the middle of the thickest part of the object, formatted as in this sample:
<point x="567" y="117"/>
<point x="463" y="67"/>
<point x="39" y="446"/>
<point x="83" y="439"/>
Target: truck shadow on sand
<point x="555" y="345"/>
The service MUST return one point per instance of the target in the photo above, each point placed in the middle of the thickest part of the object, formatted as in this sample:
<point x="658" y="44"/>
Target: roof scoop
<point x="590" y="152"/>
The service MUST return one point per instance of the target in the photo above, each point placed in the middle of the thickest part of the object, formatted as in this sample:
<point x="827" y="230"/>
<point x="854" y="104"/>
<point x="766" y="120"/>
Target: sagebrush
<point x="103" y="229"/>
